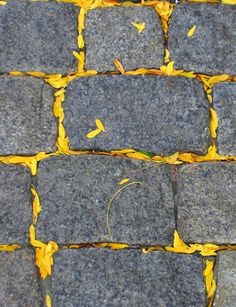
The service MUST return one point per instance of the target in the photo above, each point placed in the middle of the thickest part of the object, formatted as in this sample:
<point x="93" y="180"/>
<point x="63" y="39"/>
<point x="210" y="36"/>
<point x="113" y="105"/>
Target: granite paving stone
<point x="206" y="201"/>
<point x="224" y="96"/>
<point x="75" y="192"/>
<point x="157" y="114"/>
<point x="27" y="124"/>
<point x="18" y="279"/>
<point x="38" y="36"/>
<point x="226" y="279"/>
<point x="127" y="278"/>
<point x="109" y="35"/>
<point x="212" y="47"/>
<point x="15" y="204"/>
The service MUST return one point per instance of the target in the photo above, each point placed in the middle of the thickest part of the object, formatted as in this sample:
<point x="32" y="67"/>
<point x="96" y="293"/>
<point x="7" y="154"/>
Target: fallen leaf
<point x="99" y="124"/>
<point x="119" y="66"/>
<point x="123" y="181"/>
<point x="139" y="26"/>
<point x="92" y="134"/>
<point x="191" y="31"/>
<point x="213" y="123"/>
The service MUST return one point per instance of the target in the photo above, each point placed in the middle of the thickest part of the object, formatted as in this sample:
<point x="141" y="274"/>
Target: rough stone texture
<point x="38" y="36"/>
<point x="109" y="35"/>
<point x="212" y="48"/>
<point x="15" y="205"/>
<point x="224" y="96"/>
<point x="18" y="279"/>
<point x="226" y="279"/>
<point x="27" y="124"/>
<point x="127" y="278"/>
<point x="158" y="114"/>
<point x="206" y="202"/>
<point x="75" y="193"/>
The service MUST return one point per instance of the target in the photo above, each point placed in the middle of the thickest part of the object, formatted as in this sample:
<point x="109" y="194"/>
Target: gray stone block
<point x="157" y="114"/>
<point x="18" y="279"/>
<point x="127" y="278"/>
<point x="109" y="35"/>
<point x="212" y="48"/>
<point x="38" y="36"/>
<point x="27" y="124"/>
<point x="226" y="279"/>
<point x="224" y="98"/>
<point x="206" y="202"/>
<point x="15" y="204"/>
<point x="75" y="194"/>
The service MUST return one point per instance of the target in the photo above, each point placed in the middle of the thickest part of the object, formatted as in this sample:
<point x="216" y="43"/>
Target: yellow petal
<point x="3" y="2"/>
<point x="224" y="1"/>
<point x="9" y="248"/>
<point x="170" y="68"/>
<point x="213" y="123"/>
<point x="99" y="124"/>
<point x="139" y="26"/>
<point x="191" y="31"/>
<point x="36" y="73"/>
<point x="212" y="289"/>
<point x="36" y="204"/>
<point x="119" y="66"/>
<point x="92" y="134"/>
<point x="81" y="19"/>
<point x="125" y="180"/>
<point x="48" y="301"/>
<point x="16" y="73"/>
<point x="117" y="245"/>
<point x="218" y="78"/>
<point x="122" y="151"/>
<point x="80" y="41"/>
<point x="167" y="56"/>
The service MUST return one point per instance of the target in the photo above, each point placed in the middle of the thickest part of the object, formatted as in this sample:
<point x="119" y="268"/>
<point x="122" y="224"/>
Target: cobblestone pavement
<point x="118" y="153"/>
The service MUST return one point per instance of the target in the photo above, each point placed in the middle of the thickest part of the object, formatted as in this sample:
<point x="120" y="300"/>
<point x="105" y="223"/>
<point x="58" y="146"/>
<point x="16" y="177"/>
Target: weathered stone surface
<point x="206" y="202"/>
<point x="38" y="36"/>
<point x="75" y="194"/>
<point x="224" y="96"/>
<point x="18" y="279"/>
<point x="109" y="35"/>
<point x="158" y="114"/>
<point x="15" y="206"/>
<point x="226" y="279"/>
<point x="127" y="278"/>
<point x="212" y="47"/>
<point x="27" y="124"/>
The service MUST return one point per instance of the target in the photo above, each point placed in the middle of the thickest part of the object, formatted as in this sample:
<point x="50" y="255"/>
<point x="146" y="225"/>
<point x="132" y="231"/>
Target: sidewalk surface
<point x="117" y="153"/>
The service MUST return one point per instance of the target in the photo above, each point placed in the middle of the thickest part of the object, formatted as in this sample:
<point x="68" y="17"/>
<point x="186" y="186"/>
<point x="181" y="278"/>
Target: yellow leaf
<point x="137" y="155"/>
<point x="99" y="124"/>
<point x="228" y="1"/>
<point x="92" y="134"/>
<point x="167" y="56"/>
<point x="186" y="157"/>
<point x="123" y="181"/>
<point x="80" y="41"/>
<point x="16" y="73"/>
<point x="179" y="246"/>
<point x="9" y="248"/>
<point x="36" y="73"/>
<point x="81" y="20"/>
<point x="117" y="245"/>
<point x="139" y="71"/>
<point x="212" y="289"/>
<point x="3" y="2"/>
<point x="139" y="26"/>
<point x="209" y="267"/>
<point x="122" y="151"/>
<point x="172" y="159"/>
<point x="170" y="68"/>
<point x="119" y="66"/>
<point x="191" y="31"/>
<point x="213" y="123"/>
<point x="36" y="204"/>
<point x="48" y="301"/>
<point x="218" y="78"/>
